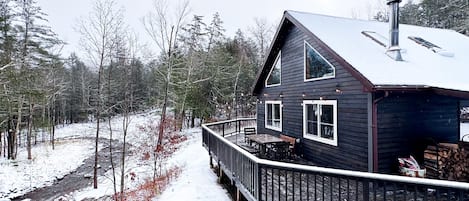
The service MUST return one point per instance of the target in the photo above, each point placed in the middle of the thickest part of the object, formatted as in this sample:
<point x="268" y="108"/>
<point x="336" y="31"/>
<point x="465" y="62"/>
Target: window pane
<point x="327" y="132"/>
<point x="276" y="111"/>
<point x="269" y="114"/>
<point x="312" y="128"/>
<point x="311" y="115"/>
<point x="327" y="115"/>
<point x="276" y="123"/>
<point x="316" y="66"/>
<point x="274" y="77"/>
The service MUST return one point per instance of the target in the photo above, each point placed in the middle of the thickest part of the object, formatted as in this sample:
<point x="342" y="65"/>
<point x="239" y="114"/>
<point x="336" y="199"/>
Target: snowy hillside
<point x="75" y="143"/>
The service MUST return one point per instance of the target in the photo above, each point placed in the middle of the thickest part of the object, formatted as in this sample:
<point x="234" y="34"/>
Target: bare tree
<point x="262" y="32"/>
<point x="97" y="34"/>
<point x="164" y="31"/>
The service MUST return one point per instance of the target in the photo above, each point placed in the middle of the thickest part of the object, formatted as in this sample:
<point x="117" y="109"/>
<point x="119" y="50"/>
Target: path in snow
<point x="76" y="180"/>
<point x="196" y="181"/>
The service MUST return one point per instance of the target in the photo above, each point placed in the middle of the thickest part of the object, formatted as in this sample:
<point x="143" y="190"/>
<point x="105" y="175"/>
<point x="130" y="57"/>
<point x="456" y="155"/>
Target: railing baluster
<point x="266" y="184"/>
<point x="356" y="190"/>
<point x="293" y="185"/>
<point x="348" y="188"/>
<point x="315" y="187"/>
<point x="272" y="183"/>
<point x="286" y="185"/>
<point x="279" y="184"/>
<point x="323" y="184"/>
<point x="425" y="194"/>
<point x="374" y="190"/>
<point x="307" y="187"/>
<point x="405" y="192"/>
<point x="301" y="189"/>
<point x="384" y="190"/>
<point x="340" y="187"/>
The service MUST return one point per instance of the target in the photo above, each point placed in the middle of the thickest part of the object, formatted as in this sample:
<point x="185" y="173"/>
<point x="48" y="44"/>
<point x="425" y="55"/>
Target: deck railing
<point x="260" y="179"/>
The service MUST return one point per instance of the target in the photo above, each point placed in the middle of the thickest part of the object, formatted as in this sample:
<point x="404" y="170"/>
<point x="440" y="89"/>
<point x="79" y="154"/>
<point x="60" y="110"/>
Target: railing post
<point x="223" y="130"/>
<point x="259" y="182"/>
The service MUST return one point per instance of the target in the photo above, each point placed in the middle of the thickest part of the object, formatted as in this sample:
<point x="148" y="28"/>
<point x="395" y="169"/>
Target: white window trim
<point x="318" y="138"/>
<point x="304" y="65"/>
<point x="281" y="115"/>
<point x="278" y="59"/>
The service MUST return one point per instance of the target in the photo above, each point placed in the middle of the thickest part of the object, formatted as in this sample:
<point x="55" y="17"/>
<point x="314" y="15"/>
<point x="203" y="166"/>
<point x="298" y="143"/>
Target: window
<point x="274" y="78"/>
<point x="320" y="121"/>
<point x="273" y="115"/>
<point x="316" y="66"/>
<point x="424" y="43"/>
<point x="434" y="48"/>
<point x="378" y="38"/>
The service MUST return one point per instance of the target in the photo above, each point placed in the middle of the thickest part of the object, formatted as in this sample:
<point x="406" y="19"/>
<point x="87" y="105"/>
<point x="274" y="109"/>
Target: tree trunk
<point x="165" y="102"/>
<point x="111" y="156"/>
<point x="98" y="116"/>
<point x="11" y="144"/>
<point x="126" y="116"/>
<point x="110" y="129"/>
<point x="53" y="123"/>
<point x="30" y="130"/>
<point x="18" y="127"/>
<point x="192" y="120"/>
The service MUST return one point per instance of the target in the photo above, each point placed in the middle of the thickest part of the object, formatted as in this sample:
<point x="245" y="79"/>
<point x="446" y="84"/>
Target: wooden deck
<point x="284" y="184"/>
<point x="294" y="178"/>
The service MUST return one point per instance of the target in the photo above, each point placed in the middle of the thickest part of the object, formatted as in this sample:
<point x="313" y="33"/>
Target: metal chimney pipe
<point x="394" y="51"/>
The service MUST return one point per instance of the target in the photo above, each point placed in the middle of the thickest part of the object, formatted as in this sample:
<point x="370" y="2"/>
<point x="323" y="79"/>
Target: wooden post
<point x="211" y="163"/>
<point x="237" y="194"/>
<point x="220" y="172"/>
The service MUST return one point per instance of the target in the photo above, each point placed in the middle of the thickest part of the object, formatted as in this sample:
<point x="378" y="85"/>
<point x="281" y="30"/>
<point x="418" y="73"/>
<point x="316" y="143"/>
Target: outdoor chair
<point x="291" y="141"/>
<point x="249" y="131"/>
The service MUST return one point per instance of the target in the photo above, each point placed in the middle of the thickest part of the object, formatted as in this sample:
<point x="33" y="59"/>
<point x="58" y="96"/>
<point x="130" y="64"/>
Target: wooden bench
<point x="291" y="141"/>
<point x="249" y="131"/>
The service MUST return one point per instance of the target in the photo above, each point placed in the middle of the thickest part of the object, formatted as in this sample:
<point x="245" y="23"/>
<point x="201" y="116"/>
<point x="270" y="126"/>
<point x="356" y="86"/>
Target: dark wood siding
<point x="351" y="152"/>
<point x="407" y="122"/>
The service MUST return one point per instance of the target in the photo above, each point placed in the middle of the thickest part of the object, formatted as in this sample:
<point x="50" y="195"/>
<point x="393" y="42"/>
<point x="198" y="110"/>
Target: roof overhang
<point x="423" y="88"/>
<point x="288" y="21"/>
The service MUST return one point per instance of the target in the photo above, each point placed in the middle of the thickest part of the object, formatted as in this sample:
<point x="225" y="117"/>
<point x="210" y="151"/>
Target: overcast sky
<point x="236" y="14"/>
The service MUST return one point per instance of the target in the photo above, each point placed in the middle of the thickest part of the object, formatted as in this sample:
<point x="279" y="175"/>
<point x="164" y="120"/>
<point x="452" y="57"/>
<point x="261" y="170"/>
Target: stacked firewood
<point x="447" y="161"/>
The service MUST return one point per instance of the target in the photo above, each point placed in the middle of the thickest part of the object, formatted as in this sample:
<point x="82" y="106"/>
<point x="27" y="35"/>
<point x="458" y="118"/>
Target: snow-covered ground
<point x="22" y="175"/>
<point x="196" y="180"/>
<point x="465" y="131"/>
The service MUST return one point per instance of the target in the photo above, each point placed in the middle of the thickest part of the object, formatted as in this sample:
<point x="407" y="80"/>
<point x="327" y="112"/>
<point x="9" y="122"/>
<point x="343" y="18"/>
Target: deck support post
<point x="211" y="161"/>
<point x="220" y="172"/>
<point x="237" y="194"/>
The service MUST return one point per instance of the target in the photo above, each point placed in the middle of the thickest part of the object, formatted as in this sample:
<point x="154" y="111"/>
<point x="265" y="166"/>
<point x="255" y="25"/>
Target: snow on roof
<point x="448" y="69"/>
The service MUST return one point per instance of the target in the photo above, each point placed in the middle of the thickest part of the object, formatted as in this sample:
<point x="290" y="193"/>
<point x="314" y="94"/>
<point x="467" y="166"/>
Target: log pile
<point x="447" y="161"/>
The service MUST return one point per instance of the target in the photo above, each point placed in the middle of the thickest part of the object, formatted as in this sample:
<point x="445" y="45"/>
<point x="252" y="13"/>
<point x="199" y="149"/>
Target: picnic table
<point x="277" y="146"/>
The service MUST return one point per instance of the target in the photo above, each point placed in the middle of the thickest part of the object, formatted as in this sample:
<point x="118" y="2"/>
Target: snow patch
<point x="46" y="166"/>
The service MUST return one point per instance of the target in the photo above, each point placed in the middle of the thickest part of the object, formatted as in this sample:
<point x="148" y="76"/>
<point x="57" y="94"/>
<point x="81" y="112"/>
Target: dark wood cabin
<point x="331" y="83"/>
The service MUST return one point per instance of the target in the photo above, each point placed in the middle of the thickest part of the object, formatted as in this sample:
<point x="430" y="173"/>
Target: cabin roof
<point x="433" y="58"/>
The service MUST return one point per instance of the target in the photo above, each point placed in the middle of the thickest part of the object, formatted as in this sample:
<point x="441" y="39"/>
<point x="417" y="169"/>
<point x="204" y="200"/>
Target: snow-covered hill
<point x="74" y="144"/>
